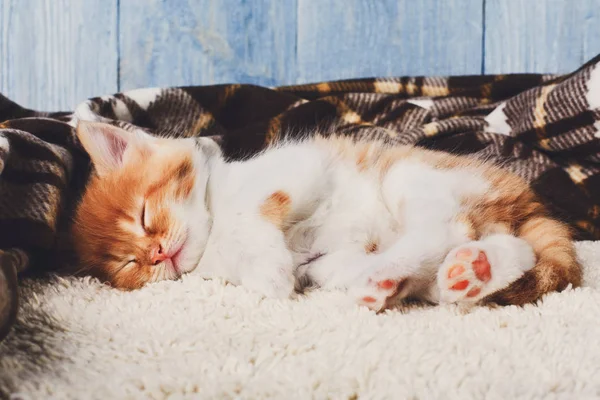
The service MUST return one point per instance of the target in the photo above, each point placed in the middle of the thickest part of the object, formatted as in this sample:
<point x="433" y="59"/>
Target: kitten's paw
<point x="464" y="274"/>
<point x="270" y="275"/>
<point x="376" y="293"/>
<point x="475" y="270"/>
<point x="267" y="270"/>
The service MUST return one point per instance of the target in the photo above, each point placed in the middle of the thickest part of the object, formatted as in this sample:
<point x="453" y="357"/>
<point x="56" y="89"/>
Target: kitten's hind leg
<point x="477" y="269"/>
<point x="556" y="267"/>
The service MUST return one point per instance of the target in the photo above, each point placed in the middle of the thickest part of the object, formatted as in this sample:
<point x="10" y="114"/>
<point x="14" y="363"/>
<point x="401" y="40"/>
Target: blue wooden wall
<point x="55" y="53"/>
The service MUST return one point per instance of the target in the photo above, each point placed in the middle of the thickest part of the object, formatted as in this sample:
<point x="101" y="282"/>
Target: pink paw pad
<point x="387" y="284"/>
<point x="464" y="254"/>
<point x="467" y="272"/>
<point x="377" y="293"/>
<point x="481" y="267"/>
<point x="461" y="285"/>
<point x="455" y="271"/>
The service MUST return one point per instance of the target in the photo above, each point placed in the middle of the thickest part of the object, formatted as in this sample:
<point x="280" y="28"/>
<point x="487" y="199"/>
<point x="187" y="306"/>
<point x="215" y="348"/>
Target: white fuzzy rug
<point x="194" y="339"/>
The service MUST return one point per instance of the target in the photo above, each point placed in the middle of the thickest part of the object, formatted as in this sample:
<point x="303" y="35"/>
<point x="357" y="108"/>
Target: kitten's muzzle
<point x="157" y="254"/>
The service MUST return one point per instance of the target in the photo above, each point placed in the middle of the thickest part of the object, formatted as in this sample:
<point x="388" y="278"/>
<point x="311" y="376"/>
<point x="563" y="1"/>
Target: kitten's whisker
<point x="81" y="270"/>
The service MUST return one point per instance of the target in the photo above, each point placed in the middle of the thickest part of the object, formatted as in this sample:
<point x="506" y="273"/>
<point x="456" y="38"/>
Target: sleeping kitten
<point x="381" y="222"/>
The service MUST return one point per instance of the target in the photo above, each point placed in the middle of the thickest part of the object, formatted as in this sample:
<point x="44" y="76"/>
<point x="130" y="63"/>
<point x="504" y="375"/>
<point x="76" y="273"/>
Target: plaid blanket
<point x="542" y="127"/>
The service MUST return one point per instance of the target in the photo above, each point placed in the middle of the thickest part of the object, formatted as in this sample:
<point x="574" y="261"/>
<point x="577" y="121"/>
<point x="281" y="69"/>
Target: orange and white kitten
<point x="379" y="221"/>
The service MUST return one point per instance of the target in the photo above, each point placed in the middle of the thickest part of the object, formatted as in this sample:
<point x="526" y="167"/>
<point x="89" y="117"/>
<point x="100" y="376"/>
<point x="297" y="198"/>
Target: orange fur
<point x="276" y="208"/>
<point x="371" y="247"/>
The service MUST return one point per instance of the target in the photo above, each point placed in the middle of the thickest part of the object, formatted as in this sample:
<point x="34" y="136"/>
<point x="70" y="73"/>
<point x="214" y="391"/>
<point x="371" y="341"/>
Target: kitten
<point x="379" y="221"/>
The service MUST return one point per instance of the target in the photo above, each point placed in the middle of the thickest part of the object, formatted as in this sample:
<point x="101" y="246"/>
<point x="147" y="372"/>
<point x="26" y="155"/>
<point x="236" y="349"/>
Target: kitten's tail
<point x="557" y="266"/>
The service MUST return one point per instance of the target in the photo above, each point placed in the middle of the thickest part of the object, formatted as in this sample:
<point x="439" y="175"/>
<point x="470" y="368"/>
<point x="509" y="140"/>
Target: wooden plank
<point x="356" y="38"/>
<point x="540" y="36"/>
<point x="197" y="42"/>
<point x="56" y="53"/>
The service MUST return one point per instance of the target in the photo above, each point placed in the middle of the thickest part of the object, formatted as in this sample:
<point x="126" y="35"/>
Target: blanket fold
<point x="544" y="128"/>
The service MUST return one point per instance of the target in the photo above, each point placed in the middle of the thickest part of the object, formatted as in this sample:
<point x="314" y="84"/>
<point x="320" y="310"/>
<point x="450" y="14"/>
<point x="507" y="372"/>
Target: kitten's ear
<point x="106" y="144"/>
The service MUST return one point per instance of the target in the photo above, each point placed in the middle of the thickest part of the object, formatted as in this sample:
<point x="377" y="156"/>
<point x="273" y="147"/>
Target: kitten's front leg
<point x="371" y="279"/>
<point x="248" y="251"/>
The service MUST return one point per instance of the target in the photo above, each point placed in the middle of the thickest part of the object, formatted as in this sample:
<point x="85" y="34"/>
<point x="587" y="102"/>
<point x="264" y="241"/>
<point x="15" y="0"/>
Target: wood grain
<point x="198" y="42"/>
<point x="540" y="36"/>
<point x="355" y="38"/>
<point x="56" y="53"/>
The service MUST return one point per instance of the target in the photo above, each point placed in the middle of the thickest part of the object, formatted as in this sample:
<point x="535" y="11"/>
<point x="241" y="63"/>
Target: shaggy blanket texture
<point x="195" y="339"/>
<point x="542" y="127"/>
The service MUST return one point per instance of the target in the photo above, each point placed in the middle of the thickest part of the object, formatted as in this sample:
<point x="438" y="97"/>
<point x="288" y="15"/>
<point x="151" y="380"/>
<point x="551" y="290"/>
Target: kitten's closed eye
<point x="129" y="263"/>
<point x="143" y="216"/>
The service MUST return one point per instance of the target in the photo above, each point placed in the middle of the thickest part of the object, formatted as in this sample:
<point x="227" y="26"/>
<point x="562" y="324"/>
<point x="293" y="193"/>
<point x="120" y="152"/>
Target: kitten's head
<point x="143" y="216"/>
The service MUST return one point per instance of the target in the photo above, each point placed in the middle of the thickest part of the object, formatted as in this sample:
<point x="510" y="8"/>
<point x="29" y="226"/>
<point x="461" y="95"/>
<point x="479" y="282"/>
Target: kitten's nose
<point x="157" y="254"/>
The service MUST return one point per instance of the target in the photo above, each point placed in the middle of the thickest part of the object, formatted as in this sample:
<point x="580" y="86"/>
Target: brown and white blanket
<point x="543" y="127"/>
